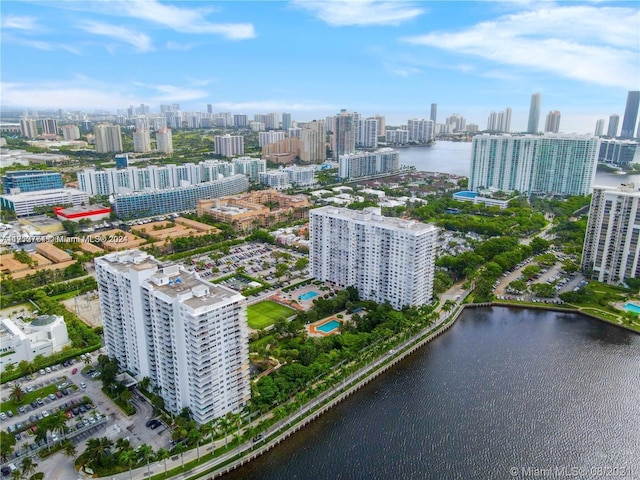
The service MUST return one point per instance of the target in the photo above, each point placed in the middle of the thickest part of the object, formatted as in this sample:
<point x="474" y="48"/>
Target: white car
<point x="83" y="385"/>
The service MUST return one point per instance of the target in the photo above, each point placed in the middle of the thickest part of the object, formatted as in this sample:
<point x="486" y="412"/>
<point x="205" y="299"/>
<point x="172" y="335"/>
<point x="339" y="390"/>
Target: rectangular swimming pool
<point x="632" y="307"/>
<point x="329" y="326"/>
<point x="308" y="295"/>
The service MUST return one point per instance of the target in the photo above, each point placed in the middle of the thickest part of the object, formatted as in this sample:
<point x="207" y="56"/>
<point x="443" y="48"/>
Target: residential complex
<point x="28" y="127"/>
<point x="365" y="164"/>
<point x="188" y="336"/>
<point x="178" y="199"/>
<point x="386" y="259"/>
<point x="421" y="130"/>
<point x="164" y="142"/>
<point x="249" y="211"/>
<point x="611" y="250"/>
<point x="142" y="141"/>
<point x="549" y="164"/>
<point x="30" y="181"/>
<point x="25" y="203"/>
<point x="552" y="122"/>
<point x="500" y="122"/>
<point x="619" y="152"/>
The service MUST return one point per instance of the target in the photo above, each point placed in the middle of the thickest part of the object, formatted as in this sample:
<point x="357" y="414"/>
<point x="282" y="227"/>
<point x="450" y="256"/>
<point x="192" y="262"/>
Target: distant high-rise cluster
<point x="552" y="122"/>
<point x="500" y="121"/>
<point x="611" y="252"/>
<point x="385" y="259"/>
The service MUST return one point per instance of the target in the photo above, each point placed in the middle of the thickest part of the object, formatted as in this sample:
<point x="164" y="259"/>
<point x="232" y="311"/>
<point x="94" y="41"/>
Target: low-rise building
<point x="25" y="203"/>
<point x="94" y="213"/>
<point x="22" y="341"/>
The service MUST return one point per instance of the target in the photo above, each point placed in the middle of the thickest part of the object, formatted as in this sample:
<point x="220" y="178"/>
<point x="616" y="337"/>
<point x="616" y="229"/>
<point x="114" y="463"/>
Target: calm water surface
<point x="504" y="388"/>
<point x="455" y="158"/>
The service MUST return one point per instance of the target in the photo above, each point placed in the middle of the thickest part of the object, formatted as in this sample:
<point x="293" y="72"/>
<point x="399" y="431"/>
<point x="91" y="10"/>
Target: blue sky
<point x="314" y="58"/>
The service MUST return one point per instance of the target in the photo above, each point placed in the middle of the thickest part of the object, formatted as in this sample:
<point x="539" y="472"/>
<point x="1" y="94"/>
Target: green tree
<point x="17" y="394"/>
<point x="7" y="442"/>
<point x="128" y="458"/>
<point x="146" y="452"/>
<point x="28" y="466"/>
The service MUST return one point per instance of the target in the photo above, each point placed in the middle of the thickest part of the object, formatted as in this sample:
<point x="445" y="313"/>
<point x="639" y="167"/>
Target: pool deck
<point x="313" y="330"/>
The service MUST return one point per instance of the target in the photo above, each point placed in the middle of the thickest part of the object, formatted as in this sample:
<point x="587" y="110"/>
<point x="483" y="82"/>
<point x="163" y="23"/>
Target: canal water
<point x="504" y="391"/>
<point x="455" y="158"/>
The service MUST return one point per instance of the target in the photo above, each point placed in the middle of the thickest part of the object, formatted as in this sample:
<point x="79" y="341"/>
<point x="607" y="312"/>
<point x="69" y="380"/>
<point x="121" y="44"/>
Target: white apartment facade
<point x="385" y="259"/>
<point x="142" y="141"/>
<point x="188" y="336"/>
<point x="366" y="164"/>
<point x="164" y="141"/>
<point x="612" y="241"/>
<point x="229" y="145"/>
<point x="548" y="164"/>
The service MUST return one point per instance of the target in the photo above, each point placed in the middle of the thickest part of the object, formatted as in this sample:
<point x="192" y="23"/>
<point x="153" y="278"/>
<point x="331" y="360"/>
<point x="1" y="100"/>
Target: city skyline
<point x="397" y="58"/>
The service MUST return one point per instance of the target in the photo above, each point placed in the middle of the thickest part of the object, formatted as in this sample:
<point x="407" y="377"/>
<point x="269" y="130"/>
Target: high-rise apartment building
<point x="286" y="121"/>
<point x="49" y="126"/>
<point x="240" y="120"/>
<point x="549" y="164"/>
<point x="599" y="130"/>
<point x="614" y="121"/>
<point x="272" y="136"/>
<point x="188" y="336"/>
<point x="108" y="138"/>
<point x="272" y="121"/>
<point x="456" y="123"/>
<point x="434" y="112"/>
<point x="28" y="127"/>
<point x="611" y="252"/>
<point x="313" y="137"/>
<point x="251" y="167"/>
<point x="534" y="113"/>
<point x="382" y="125"/>
<point x="421" y="130"/>
<point x="164" y="141"/>
<point x="344" y="134"/>
<point x="367" y="133"/>
<point x="552" y="122"/>
<point x="385" y="259"/>
<point x="366" y="164"/>
<point x="141" y="141"/>
<point x="630" y="115"/>
<point x="70" y="133"/>
<point x="229" y="145"/>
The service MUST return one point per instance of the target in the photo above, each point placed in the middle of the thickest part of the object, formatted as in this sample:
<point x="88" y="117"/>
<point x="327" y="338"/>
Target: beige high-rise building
<point x="313" y="136"/>
<point x="108" y="138"/>
<point x="142" y="141"/>
<point x="28" y="127"/>
<point x="164" y="142"/>
<point x="70" y="132"/>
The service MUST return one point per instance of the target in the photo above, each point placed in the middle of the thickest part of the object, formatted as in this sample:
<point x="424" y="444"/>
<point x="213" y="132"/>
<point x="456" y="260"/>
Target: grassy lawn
<point x="28" y="397"/>
<point x="263" y="314"/>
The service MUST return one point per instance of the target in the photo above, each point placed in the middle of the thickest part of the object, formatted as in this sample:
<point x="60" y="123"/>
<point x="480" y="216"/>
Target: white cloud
<point x="178" y="18"/>
<point x="586" y="43"/>
<point x="179" y="47"/>
<point x="341" y="13"/>
<point x="140" y="41"/>
<point x="20" y="22"/>
<point x="8" y="38"/>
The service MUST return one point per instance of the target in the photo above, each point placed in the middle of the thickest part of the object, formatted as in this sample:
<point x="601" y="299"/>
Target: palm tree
<point x="28" y="466"/>
<point x="122" y="444"/>
<point x="128" y="457"/>
<point x="17" y="475"/>
<point x="180" y="448"/>
<point x="57" y="423"/>
<point x="163" y="454"/>
<point x="195" y="435"/>
<point x="69" y="448"/>
<point x="17" y="394"/>
<point x="145" y="451"/>
<point x="224" y="425"/>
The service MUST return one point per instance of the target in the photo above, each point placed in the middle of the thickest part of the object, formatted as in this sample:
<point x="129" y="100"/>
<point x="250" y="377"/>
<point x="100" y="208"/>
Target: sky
<point x="312" y="58"/>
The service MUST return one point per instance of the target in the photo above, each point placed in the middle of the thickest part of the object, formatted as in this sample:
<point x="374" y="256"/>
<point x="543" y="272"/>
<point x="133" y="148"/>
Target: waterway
<point x="504" y="389"/>
<point x="455" y="158"/>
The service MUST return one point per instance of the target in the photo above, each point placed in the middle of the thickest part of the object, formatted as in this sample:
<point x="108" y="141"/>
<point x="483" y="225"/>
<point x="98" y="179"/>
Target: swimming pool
<point x="329" y="326"/>
<point x="632" y="307"/>
<point x="308" y="295"/>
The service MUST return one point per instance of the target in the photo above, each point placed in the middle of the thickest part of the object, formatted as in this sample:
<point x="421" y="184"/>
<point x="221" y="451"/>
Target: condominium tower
<point x="188" y="336"/>
<point x="229" y="145"/>
<point x="534" y="113"/>
<point x="385" y="259"/>
<point x="552" y="122"/>
<point x="549" y="164"/>
<point x="164" y="141"/>
<point x="366" y="164"/>
<point x="614" y="120"/>
<point x="630" y="115"/>
<point x="108" y="138"/>
<point x="611" y="250"/>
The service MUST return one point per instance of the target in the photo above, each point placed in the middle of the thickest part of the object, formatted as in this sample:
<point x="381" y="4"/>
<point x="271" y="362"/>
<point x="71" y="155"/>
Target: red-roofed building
<point x="95" y="213"/>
